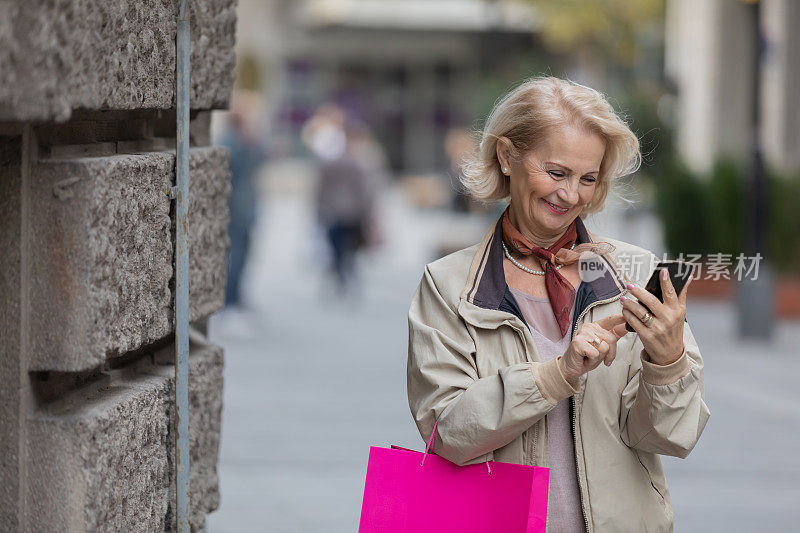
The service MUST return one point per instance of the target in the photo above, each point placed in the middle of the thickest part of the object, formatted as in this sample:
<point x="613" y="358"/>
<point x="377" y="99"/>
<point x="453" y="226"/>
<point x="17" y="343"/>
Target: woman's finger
<point x="657" y="308"/>
<point x="587" y="350"/>
<point x="684" y="291"/>
<point x="637" y="325"/>
<point x="587" y="334"/>
<point x="608" y="336"/>
<point x="598" y="348"/>
<point x="609" y="322"/>
<point x="598" y="344"/>
<point x="633" y="306"/>
<point x="609" y="342"/>
<point x="611" y="352"/>
<point x="620" y="331"/>
<point x="610" y="356"/>
<point x="601" y="344"/>
<point x="667" y="288"/>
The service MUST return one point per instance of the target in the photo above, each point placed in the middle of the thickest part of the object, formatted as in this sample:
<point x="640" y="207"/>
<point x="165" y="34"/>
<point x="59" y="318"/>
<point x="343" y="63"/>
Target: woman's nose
<point x="569" y="194"/>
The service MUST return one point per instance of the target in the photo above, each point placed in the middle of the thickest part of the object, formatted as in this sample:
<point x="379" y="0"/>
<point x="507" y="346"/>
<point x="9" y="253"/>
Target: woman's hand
<point x="662" y="337"/>
<point x="594" y="343"/>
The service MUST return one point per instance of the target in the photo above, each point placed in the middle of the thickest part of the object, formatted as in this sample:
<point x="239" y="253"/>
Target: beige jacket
<point x="472" y="364"/>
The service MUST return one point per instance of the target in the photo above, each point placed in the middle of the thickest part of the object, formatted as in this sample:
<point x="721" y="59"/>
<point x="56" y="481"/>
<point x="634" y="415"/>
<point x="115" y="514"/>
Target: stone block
<point x="56" y="57"/>
<point x="208" y="230"/>
<point x="102" y="255"/>
<point x="101" y="459"/>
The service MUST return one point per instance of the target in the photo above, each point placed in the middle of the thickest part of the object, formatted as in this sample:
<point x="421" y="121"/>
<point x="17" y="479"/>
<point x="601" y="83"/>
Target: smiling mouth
<point x="555" y="207"/>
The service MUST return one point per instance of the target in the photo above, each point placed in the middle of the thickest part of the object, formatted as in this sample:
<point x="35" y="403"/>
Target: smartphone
<point x="679" y="273"/>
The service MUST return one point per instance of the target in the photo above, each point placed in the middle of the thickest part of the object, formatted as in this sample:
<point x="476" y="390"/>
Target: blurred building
<point x="409" y="68"/>
<point x="710" y="56"/>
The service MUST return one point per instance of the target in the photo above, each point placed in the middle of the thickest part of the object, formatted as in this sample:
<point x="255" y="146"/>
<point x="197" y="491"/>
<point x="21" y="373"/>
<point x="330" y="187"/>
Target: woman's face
<point x="552" y="183"/>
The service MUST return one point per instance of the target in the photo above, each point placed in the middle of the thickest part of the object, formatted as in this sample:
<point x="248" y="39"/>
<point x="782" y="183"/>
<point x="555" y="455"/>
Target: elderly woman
<point x="521" y="360"/>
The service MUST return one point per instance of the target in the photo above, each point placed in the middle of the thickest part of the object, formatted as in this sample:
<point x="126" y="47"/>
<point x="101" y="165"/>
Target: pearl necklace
<point x="526" y="269"/>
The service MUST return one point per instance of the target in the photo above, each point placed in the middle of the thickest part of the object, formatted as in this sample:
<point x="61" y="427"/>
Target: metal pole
<point x="182" y="273"/>
<point x="755" y="296"/>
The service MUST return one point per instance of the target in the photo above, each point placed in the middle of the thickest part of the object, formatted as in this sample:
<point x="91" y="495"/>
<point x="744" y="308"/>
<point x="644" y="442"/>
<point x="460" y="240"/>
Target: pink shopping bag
<point x="409" y="491"/>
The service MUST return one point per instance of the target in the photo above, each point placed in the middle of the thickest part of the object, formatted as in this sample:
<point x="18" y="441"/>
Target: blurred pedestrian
<point x="247" y="155"/>
<point x="367" y="152"/>
<point x="506" y="339"/>
<point x="346" y="192"/>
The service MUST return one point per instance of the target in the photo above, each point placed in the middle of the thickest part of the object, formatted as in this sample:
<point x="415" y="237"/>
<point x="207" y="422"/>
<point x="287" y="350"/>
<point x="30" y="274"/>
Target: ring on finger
<point x="596" y="342"/>
<point x="647" y="318"/>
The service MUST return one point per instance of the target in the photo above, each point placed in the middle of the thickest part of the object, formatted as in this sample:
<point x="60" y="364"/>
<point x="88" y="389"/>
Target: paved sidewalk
<point x="311" y="383"/>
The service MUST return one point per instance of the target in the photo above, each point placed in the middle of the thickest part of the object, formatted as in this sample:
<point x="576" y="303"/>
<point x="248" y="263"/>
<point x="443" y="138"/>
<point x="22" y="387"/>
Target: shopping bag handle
<point x="429" y="447"/>
<point x="430" y="440"/>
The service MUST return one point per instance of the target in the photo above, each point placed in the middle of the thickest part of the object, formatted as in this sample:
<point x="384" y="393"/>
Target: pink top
<point x="564" y="512"/>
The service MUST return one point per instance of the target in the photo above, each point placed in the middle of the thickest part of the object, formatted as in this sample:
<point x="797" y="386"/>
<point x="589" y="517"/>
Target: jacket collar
<point x="486" y="281"/>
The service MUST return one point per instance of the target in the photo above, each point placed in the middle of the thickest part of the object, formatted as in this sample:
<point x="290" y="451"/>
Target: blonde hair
<point x="525" y="115"/>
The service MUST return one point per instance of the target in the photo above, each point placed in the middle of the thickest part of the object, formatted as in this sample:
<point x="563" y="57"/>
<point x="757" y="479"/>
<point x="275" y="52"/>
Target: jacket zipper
<point x="533" y="441"/>
<point x="575" y="406"/>
<point x="575" y="437"/>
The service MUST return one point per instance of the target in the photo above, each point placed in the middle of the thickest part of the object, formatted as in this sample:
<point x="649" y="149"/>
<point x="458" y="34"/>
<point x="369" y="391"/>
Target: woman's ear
<point x="503" y="148"/>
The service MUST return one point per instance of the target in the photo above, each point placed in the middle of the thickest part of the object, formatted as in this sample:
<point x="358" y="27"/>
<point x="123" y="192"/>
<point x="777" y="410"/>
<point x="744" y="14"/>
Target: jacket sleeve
<point x="663" y="408"/>
<point x="476" y="414"/>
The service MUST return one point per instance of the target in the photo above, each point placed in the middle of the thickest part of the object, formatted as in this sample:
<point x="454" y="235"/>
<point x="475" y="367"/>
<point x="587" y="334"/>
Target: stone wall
<point x="87" y="122"/>
<point x="101" y="457"/>
<point x="56" y="57"/>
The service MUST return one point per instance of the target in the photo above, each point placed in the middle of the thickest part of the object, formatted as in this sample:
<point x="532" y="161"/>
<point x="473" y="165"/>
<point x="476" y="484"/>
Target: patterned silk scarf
<point x="559" y="290"/>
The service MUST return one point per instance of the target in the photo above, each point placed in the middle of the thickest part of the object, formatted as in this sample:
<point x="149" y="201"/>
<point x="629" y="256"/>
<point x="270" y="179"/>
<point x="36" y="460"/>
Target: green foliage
<point x="638" y="104"/>
<point x="506" y="73"/>
<point x="727" y="203"/>
<point x="682" y="204"/>
<point x="611" y="27"/>
<point x="783" y="239"/>
<point x="708" y="214"/>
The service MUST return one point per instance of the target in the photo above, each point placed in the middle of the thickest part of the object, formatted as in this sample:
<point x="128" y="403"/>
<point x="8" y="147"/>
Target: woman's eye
<point x="556" y="174"/>
<point x="589" y="179"/>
